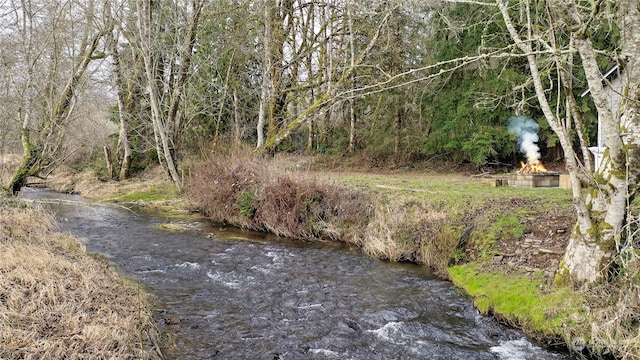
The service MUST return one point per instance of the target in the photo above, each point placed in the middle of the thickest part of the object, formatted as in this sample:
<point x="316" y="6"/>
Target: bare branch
<point x="473" y="2"/>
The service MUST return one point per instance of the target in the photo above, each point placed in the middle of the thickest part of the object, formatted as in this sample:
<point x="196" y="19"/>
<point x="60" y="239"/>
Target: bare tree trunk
<point x="166" y="129"/>
<point x="123" y="150"/>
<point x="352" y="101"/>
<point x="159" y="126"/>
<point x="572" y="110"/>
<point x="266" y="74"/>
<point x="124" y="163"/>
<point x="397" y="130"/>
<point x="237" y="119"/>
<point x="109" y="161"/>
<point x="352" y="60"/>
<point x="312" y="97"/>
<point x="216" y="134"/>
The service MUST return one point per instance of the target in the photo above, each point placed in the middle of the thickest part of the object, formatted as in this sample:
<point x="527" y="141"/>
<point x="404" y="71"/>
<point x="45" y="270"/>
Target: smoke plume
<point x="526" y="129"/>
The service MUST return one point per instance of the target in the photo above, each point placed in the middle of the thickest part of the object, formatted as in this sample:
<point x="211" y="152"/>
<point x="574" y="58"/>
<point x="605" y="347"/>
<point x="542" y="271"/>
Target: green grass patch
<point x="247" y="204"/>
<point x="154" y="193"/>
<point x="510" y="225"/>
<point x="524" y="301"/>
<point x="453" y="190"/>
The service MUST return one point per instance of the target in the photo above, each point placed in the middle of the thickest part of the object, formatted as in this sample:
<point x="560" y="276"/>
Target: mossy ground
<point x="153" y="193"/>
<point x="523" y="300"/>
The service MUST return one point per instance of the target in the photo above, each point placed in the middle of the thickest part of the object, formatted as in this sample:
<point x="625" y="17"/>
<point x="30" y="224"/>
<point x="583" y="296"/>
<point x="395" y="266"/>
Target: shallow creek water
<point x="231" y="294"/>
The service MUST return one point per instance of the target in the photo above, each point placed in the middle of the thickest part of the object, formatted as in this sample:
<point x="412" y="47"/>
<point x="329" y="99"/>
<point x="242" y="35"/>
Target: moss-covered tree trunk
<point x="30" y="165"/>
<point x="123" y="149"/>
<point x="592" y="249"/>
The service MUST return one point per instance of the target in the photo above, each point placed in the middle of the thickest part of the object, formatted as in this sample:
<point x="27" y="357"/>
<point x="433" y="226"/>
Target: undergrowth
<point x="253" y="195"/>
<point x="274" y="197"/>
<point x="615" y="326"/>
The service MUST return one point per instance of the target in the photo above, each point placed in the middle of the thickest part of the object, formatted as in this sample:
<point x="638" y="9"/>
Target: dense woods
<point x="337" y="77"/>
<point x="393" y="82"/>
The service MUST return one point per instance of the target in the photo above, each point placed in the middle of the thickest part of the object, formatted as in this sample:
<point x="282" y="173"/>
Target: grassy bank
<point x="433" y="219"/>
<point x="57" y="301"/>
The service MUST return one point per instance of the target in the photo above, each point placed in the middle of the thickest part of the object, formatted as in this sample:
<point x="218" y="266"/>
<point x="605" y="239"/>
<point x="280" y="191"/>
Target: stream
<point x="224" y="293"/>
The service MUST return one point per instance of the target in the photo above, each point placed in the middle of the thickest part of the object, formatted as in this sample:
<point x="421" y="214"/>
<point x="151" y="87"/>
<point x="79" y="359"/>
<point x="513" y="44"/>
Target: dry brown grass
<point x="615" y="323"/>
<point x="407" y="230"/>
<point x="57" y="301"/>
<point x="87" y="183"/>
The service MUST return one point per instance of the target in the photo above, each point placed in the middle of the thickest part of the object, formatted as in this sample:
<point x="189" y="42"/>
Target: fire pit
<point x="548" y="179"/>
<point x="534" y="175"/>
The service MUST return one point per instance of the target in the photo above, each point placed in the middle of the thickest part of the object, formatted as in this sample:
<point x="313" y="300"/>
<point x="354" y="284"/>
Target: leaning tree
<point x="53" y="45"/>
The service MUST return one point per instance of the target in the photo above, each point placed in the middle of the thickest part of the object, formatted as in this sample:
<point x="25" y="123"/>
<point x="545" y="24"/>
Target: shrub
<point x="265" y="196"/>
<point x="216" y="185"/>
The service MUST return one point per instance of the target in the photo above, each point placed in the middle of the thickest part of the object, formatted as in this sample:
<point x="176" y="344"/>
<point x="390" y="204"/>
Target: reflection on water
<point x="229" y="294"/>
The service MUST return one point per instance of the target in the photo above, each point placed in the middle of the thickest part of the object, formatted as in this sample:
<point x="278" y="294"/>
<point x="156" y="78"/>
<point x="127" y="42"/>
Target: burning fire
<point x="531" y="168"/>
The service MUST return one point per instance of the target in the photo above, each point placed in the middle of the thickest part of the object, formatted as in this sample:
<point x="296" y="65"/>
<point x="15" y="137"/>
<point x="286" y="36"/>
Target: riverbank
<point x="502" y="245"/>
<point x="57" y="301"/>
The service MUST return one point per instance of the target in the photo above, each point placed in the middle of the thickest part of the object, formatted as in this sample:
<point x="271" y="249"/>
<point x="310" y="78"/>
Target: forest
<point x="391" y="80"/>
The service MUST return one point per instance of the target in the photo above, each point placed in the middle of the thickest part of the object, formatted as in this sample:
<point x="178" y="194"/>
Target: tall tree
<point x="123" y="149"/>
<point x="352" y="63"/>
<point x="225" y="84"/>
<point x="468" y="109"/>
<point x="297" y="62"/>
<point x="266" y="84"/>
<point x="328" y="96"/>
